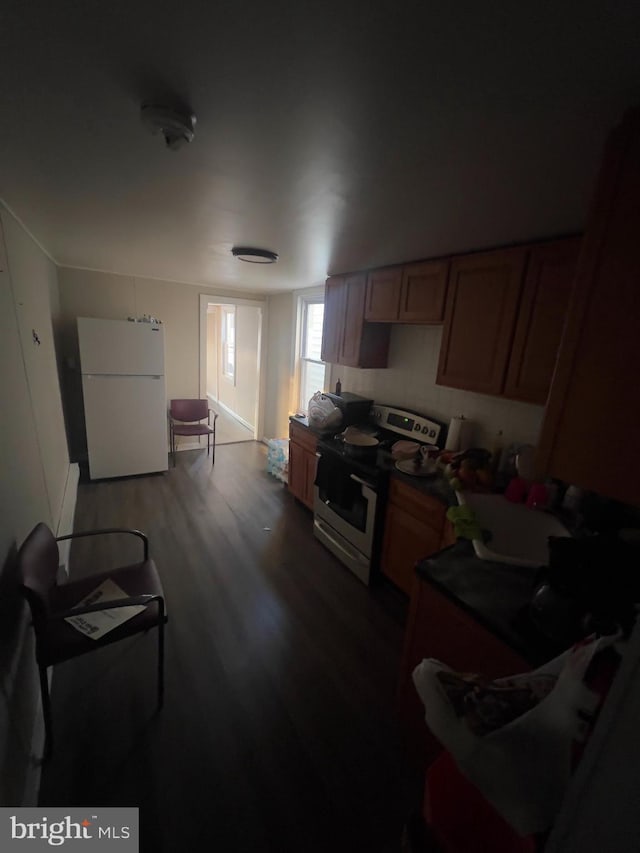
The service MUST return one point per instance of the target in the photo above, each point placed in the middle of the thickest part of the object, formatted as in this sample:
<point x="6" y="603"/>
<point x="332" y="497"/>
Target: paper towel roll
<point x="459" y="435"/>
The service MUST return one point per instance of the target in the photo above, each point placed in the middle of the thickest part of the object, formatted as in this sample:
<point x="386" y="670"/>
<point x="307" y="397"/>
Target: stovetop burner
<point x="371" y="466"/>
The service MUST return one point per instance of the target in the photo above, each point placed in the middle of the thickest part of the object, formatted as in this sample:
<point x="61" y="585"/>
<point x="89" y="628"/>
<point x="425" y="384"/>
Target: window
<point x="311" y="367"/>
<point x="229" y="342"/>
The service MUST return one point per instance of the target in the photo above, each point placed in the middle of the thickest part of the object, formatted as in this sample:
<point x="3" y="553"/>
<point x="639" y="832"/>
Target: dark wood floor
<point x="277" y="732"/>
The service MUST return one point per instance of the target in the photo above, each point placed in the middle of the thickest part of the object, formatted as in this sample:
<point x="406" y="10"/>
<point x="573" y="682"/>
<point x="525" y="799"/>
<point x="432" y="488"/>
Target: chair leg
<point x="161" y="656"/>
<point x="173" y="447"/>
<point x="213" y="446"/>
<point x="46" y="712"/>
<point x="208" y="443"/>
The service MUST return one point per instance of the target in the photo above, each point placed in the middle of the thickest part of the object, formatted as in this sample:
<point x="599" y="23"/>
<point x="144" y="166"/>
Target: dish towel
<point x="465" y="523"/>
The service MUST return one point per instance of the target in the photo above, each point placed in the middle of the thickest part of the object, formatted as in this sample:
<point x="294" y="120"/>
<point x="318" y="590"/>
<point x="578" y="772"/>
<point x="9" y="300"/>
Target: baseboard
<point x="65" y="523"/>
<point x="230" y="412"/>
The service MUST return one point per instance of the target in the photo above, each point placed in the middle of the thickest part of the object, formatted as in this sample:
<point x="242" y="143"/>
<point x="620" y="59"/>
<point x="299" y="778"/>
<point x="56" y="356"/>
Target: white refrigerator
<point x="125" y="405"/>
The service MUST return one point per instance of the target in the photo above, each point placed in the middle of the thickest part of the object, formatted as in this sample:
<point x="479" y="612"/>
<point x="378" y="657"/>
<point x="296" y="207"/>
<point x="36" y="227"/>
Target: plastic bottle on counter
<point x="496" y="452"/>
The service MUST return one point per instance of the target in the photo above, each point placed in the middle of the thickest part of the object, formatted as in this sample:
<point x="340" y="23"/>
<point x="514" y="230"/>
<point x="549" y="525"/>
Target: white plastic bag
<point x="522" y="768"/>
<point x="323" y="415"/>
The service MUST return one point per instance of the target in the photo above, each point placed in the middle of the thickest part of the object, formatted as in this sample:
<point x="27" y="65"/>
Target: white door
<point x="126" y="419"/>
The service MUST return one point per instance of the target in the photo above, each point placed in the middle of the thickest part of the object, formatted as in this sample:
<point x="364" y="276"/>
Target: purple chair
<point x="51" y="604"/>
<point x="185" y="418"/>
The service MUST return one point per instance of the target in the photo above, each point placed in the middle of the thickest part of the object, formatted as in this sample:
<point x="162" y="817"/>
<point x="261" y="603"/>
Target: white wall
<point x="33" y="472"/>
<point x="212" y="352"/>
<point x="280" y="364"/>
<point x="95" y="294"/>
<point x="409" y="382"/>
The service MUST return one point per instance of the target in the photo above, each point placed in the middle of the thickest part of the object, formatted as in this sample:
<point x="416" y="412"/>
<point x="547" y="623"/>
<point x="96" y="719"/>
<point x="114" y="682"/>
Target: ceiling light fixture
<point x="254" y="256"/>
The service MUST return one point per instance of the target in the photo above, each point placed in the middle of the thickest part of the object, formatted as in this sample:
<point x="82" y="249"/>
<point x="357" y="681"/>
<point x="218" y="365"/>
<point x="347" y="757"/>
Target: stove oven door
<point x="346" y="502"/>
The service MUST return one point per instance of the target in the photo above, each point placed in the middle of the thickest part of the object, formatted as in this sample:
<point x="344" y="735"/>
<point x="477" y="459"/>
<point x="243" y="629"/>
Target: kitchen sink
<point x="518" y="534"/>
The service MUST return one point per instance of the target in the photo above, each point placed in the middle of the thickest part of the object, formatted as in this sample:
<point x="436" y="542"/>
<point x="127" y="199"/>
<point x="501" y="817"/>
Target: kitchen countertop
<point x="436" y="487"/>
<point x="496" y="595"/>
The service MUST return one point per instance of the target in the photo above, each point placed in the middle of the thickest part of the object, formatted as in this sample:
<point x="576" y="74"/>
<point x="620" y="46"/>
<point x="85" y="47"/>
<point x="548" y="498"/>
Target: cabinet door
<point x="591" y="431"/>
<point x="541" y="317"/>
<point x="311" y="463"/>
<point x="297" y="471"/>
<point x="353" y="319"/>
<point x="482" y="302"/>
<point x="383" y="295"/>
<point x="333" y="325"/>
<point x="406" y="540"/>
<point x="423" y="292"/>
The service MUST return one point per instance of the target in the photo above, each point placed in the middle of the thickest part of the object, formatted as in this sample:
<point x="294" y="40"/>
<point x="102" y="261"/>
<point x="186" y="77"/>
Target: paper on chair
<point x="100" y="622"/>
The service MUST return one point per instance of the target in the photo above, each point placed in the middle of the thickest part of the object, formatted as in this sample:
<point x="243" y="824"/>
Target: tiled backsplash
<point x="410" y="382"/>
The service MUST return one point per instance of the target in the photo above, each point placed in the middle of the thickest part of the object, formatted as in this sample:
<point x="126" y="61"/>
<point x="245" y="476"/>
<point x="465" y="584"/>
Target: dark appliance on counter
<point x="355" y="409"/>
<point x="350" y="493"/>
<point x="590" y="584"/>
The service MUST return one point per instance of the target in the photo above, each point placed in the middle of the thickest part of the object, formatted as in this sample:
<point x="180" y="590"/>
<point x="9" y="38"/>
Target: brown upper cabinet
<point x="383" y="295"/>
<point x="504" y="319"/>
<point x="414" y="293"/>
<point x="543" y="308"/>
<point x="346" y="337"/>
<point x="482" y="303"/>
<point x="333" y="325"/>
<point x="591" y="431"/>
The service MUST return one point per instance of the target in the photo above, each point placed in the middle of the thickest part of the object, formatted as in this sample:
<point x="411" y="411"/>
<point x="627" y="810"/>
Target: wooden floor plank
<point x="278" y="731"/>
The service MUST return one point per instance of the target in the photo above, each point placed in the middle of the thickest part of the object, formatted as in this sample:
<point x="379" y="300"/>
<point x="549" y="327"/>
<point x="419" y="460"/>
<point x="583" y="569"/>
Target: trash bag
<point x="323" y="415"/>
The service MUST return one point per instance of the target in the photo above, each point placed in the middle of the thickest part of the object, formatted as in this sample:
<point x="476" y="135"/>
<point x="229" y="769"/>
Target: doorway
<point x="231" y="356"/>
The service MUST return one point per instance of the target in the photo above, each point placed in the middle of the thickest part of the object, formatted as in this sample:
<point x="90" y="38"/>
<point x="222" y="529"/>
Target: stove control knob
<point x="416" y="428"/>
<point x="425" y="430"/>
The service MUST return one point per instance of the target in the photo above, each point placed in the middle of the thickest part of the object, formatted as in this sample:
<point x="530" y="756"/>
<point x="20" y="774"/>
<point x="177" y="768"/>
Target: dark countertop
<point x="436" y="487"/>
<point x="496" y="595"/>
<point x="303" y="421"/>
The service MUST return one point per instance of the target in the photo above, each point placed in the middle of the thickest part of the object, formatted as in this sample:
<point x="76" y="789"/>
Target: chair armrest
<point x="138" y="533"/>
<point x="215" y="415"/>
<point x="130" y="601"/>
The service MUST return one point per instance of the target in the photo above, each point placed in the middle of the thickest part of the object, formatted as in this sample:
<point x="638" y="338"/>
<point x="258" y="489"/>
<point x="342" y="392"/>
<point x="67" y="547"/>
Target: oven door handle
<point x="362" y="482"/>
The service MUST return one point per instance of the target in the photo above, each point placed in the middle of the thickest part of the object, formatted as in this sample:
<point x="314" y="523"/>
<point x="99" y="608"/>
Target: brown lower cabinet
<point x="302" y="463"/>
<point x="415" y="527"/>
<point x="439" y="628"/>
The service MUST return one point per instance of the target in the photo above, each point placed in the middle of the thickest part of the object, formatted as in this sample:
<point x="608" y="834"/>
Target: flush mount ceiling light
<point x="254" y="256"/>
<point x="176" y="126"/>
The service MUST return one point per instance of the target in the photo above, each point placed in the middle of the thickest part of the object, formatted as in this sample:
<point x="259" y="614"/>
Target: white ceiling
<point x="342" y="135"/>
